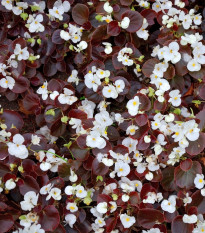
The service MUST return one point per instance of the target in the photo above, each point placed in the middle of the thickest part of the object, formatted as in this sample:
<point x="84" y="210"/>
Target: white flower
<point x="169" y="118"/>
<point x="108" y="47"/>
<point x="125" y="23"/>
<point x="35" y="229"/>
<point x="30" y="218"/>
<point x="199" y="181"/>
<point x="190" y="219"/>
<point x="109" y="92"/>
<point x="131" y="129"/>
<point x="46" y="189"/>
<point x="72" y="207"/>
<point x="197" y="19"/>
<point x="100" y="222"/>
<point x="171" y="52"/>
<point x="35" y="140"/>
<point x="113" y="206"/>
<point x="102" y="207"/>
<point x="43" y="90"/>
<point x="170" y="204"/>
<point x="73" y="78"/>
<point x="20" y="6"/>
<point x="70" y="190"/>
<point x="107" y="162"/>
<point x="103" y="118"/>
<point x="7" y="82"/>
<point x="44" y="166"/>
<point x="147" y="139"/>
<point x="92" y="81"/>
<point x="175" y="98"/>
<point x="163" y="84"/>
<point x="94" y="140"/>
<point x="17" y="148"/>
<point x="73" y="177"/>
<point x="200" y="227"/>
<point x="142" y="33"/>
<point x="191" y="130"/>
<point x="193" y="65"/>
<point x="70" y="219"/>
<point x="59" y="9"/>
<point x="130" y="143"/>
<point x="159" y="69"/>
<point x="120" y="85"/>
<point x="67" y="97"/>
<point x="54" y="94"/>
<point x="7" y="4"/>
<point x="22" y="54"/>
<point x="80" y="191"/>
<point x="3" y="67"/>
<point x="203" y="192"/>
<point x="30" y="201"/>
<point x="35" y="23"/>
<point x="125" y="198"/>
<point x="55" y="193"/>
<point x="127" y="221"/>
<point x="149" y="176"/>
<point x="81" y="46"/>
<point x="108" y="8"/>
<point x="123" y="56"/>
<point x="186" y="20"/>
<point x="133" y="106"/>
<point x="10" y="184"/>
<point x="107" y="18"/>
<point x="65" y="35"/>
<point x="122" y="168"/>
<point x="187" y="199"/>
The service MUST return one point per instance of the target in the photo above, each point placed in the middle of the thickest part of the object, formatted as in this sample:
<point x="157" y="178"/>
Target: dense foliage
<point x="102" y="116"/>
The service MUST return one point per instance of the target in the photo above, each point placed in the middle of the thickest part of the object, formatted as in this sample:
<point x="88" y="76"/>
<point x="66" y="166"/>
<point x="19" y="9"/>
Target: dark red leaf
<point x="78" y="153"/>
<point x="199" y="201"/>
<point x="185" y="179"/>
<point x="148" y="66"/>
<point x="178" y="226"/>
<point x="80" y="13"/>
<point x="29" y="184"/>
<point x="76" y="113"/>
<point x="6" y="222"/>
<point x="11" y="118"/>
<point x="149" y="15"/>
<point x="136" y="20"/>
<point x="197" y="146"/>
<point x="49" y="218"/>
<point x="168" y="182"/>
<point x="113" y="28"/>
<point x="99" y="169"/>
<point x="147" y="218"/>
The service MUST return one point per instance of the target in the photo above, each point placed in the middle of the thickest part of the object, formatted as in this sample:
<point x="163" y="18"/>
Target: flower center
<point x="132" y="130"/>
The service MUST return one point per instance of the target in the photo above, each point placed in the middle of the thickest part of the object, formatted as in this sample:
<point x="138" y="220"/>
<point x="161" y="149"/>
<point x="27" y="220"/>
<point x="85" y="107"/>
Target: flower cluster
<point x="102" y="116"/>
